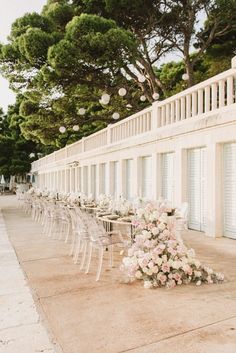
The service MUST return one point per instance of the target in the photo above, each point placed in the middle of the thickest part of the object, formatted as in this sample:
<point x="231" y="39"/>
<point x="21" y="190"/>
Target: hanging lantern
<point x="105" y="99"/>
<point x="143" y="98"/>
<point x="82" y="111"/>
<point x="62" y="129"/>
<point x="122" y="92"/>
<point x="185" y="77"/>
<point x="76" y="128"/>
<point x="141" y="79"/>
<point x="155" y="96"/>
<point x="115" y="116"/>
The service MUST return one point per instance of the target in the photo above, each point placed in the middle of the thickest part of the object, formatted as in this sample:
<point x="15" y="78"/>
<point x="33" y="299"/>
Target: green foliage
<point x="66" y="57"/>
<point x="15" y="150"/>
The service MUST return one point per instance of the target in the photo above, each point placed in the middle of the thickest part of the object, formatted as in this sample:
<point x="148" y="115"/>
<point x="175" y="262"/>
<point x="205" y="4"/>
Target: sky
<point x="10" y="10"/>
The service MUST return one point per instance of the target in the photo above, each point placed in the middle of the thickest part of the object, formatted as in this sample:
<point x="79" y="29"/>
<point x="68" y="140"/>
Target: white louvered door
<point x="196" y="188"/>
<point x="229" y="186"/>
<point x="167" y="183"/>
<point x="94" y="180"/>
<point x="128" y="179"/>
<point x="147" y="178"/>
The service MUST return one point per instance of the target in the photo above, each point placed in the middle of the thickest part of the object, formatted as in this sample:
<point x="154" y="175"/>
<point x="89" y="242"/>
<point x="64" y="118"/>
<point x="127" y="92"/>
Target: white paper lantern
<point x="185" y="77"/>
<point x="143" y="98"/>
<point x="141" y="79"/>
<point x="122" y="92"/>
<point x="115" y="116"/>
<point x="155" y="96"/>
<point x="76" y="128"/>
<point x="62" y="129"/>
<point x="105" y="98"/>
<point x="82" y="111"/>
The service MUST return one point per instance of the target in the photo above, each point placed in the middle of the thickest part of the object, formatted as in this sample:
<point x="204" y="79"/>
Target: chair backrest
<point x="95" y="228"/>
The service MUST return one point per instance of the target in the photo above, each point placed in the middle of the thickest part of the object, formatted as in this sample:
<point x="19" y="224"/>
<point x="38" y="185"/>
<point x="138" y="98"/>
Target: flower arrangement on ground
<point x="160" y="259"/>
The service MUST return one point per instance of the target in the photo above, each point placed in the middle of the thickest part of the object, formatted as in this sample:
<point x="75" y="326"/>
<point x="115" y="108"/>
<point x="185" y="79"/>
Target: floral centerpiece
<point x="160" y="259"/>
<point x="104" y="201"/>
<point x="121" y="207"/>
<point x="31" y="191"/>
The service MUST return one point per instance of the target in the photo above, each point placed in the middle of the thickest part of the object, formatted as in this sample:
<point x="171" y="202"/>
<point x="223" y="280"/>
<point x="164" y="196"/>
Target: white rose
<point x="197" y="273"/>
<point x="138" y="274"/>
<point x="161" y="226"/>
<point x="197" y="263"/>
<point x="149" y="272"/>
<point x="151" y="218"/>
<point x="155" y="231"/>
<point x="176" y="265"/>
<point x="155" y="269"/>
<point x="198" y="283"/>
<point x="159" y="261"/>
<point x="164" y="218"/>
<point x="147" y="284"/>
<point x="156" y="215"/>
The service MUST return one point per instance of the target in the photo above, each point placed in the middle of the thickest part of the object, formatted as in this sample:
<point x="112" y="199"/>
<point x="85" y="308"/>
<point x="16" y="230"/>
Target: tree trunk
<point x="189" y="71"/>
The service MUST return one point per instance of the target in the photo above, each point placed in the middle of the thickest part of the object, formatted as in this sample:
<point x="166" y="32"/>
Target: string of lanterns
<point x="105" y="100"/>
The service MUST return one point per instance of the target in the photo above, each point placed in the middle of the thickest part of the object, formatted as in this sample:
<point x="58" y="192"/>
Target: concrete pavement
<point x="83" y="316"/>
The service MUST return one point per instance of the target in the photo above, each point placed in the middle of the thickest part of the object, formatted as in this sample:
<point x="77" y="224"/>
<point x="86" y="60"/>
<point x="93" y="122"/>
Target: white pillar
<point x="180" y="177"/>
<point x="154" y="175"/>
<point x="214" y="197"/>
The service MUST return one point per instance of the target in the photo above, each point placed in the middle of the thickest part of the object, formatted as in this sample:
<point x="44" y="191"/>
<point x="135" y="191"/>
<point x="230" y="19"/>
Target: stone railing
<point x="204" y="98"/>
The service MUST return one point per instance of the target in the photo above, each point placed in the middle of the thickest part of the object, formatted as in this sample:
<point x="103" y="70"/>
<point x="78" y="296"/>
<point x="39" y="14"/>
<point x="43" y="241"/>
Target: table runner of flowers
<point x="159" y="258"/>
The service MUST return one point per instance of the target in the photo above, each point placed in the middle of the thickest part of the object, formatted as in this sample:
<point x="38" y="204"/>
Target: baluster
<point x="167" y="113"/>
<point x="188" y="106"/>
<point x="221" y="93"/>
<point x="172" y="111"/>
<point x="183" y="109"/>
<point x="230" y="92"/>
<point x="207" y="99"/>
<point x="213" y="96"/>
<point x="163" y="115"/>
<point x="194" y="104"/>
<point x="200" y="101"/>
<point x="177" y="109"/>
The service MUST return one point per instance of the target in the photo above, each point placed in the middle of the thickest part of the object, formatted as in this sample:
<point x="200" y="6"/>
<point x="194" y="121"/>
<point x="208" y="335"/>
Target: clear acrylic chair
<point x="101" y="241"/>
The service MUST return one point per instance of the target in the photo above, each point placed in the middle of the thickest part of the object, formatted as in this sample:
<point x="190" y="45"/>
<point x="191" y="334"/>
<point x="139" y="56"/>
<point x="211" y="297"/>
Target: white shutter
<point x="196" y="188"/>
<point x="230" y="190"/>
<point x="147" y="177"/>
<point x="128" y="178"/>
<point x="94" y="180"/>
<point x="115" y="179"/>
<point x="85" y="180"/>
<point x="167" y="172"/>
<point x="79" y="179"/>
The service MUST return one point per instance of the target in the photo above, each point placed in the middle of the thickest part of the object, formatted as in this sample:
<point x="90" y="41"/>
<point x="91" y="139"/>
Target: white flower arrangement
<point x="121" y="207"/>
<point x="158" y="258"/>
<point x="104" y="201"/>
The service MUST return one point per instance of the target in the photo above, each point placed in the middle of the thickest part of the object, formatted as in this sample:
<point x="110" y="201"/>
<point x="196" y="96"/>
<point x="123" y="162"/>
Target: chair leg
<point x="67" y="232"/>
<point x="77" y="251"/>
<point x="84" y="255"/>
<point x="89" y="258"/>
<point x="72" y="244"/>
<point x="111" y="255"/>
<point x="99" y="264"/>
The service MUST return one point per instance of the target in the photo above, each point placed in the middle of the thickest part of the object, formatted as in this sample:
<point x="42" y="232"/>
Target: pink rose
<point x="165" y="267"/>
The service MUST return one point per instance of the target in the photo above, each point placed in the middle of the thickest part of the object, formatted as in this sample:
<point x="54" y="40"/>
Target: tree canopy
<point x="66" y="57"/>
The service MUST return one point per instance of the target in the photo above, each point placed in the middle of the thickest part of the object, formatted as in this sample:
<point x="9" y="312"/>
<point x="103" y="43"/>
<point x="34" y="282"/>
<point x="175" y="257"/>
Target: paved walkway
<point x="111" y="317"/>
<point x="21" y="330"/>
